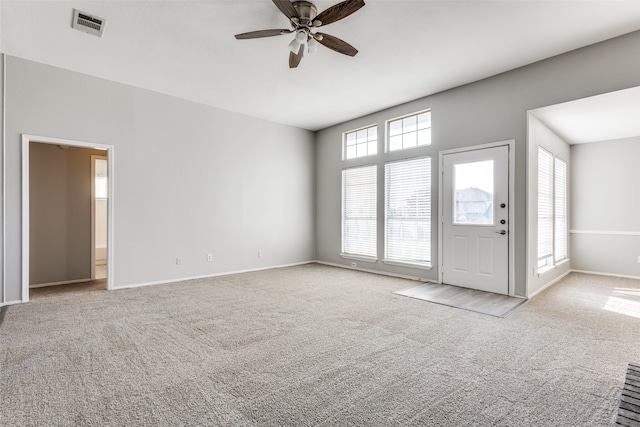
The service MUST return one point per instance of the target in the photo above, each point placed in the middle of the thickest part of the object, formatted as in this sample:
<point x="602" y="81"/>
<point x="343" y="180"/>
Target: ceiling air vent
<point x="87" y="23"/>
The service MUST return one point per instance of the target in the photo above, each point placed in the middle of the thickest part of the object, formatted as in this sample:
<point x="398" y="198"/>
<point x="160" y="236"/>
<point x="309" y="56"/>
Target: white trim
<point x="363" y="258"/>
<point x="511" y="144"/>
<point x="206" y="276"/>
<point x="597" y="273"/>
<point x="3" y="137"/>
<point x="553" y="282"/>
<point x="387" y="135"/>
<point x="542" y="271"/>
<point x="5" y="304"/>
<point x="65" y="282"/>
<point x="25" y="219"/>
<point x="421" y="265"/>
<point x="344" y="143"/>
<point x="26" y="140"/>
<point x="382" y="273"/>
<point x="606" y="233"/>
<point x="94" y="157"/>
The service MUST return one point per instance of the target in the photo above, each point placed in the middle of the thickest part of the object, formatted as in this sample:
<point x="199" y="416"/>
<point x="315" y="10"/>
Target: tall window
<point x="359" y="211"/>
<point x="410" y="131"/>
<point x="408" y="211"/>
<point x="360" y="143"/>
<point x="560" y="210"/>
<point x="552" y="209"/>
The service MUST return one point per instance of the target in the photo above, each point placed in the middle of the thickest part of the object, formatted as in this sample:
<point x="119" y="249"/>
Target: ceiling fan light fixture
<point x="296" y="43"/>
<point x="301" y="36"/>
<point x="294" y="46"/>
<point x="304" y="19"/>
<point x="312" y="45"/>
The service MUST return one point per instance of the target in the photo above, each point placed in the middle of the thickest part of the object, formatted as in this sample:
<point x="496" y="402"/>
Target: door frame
<point x="26" y="141"/>
<point x="95" y="157"/>
<point x="511" y="144"/>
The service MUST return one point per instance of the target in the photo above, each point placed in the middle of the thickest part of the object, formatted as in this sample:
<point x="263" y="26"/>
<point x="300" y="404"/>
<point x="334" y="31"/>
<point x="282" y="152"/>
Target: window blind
<point x="560" y="210"/>
<point x="408" y="210"/>
<point x="359" y="204"/>
<point x="545" y="207"/>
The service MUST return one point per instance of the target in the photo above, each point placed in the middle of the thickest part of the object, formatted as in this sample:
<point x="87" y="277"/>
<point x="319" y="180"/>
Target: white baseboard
<point x="597" y="273"/>
<point x="551" y="283"/>
<point x="206" y="276"/>
<point x="382" y="273"/>
<point x="66" y="282"/>
<point x="10" y="303"/>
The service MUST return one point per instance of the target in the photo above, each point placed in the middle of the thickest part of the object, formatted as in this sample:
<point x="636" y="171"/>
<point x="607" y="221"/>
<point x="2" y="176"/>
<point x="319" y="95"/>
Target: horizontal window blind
<point x="359" y="204"/>
<point x="408" y="210"/>
<point x="560" y="210"/>
<point x="545" y="207"/>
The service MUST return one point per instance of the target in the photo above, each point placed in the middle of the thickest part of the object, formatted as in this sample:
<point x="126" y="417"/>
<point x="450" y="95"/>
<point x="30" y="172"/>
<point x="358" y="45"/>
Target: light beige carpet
<point x="315" y="345"/>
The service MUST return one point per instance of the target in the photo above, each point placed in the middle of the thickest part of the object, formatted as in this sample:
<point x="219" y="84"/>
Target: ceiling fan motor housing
<point x="307" y="12"/>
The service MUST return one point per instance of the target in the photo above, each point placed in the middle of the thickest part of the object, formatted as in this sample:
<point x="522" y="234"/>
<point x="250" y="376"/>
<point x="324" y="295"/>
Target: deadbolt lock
<point x="503" y="205"/>
<point x="502" y="221"/>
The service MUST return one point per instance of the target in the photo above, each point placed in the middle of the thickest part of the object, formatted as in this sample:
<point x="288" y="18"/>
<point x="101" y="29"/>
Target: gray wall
<point x="606" y="207"/>
<point x="188" y="179"/>
<point x="60" y="213"/>
<point x="490" y="110"/>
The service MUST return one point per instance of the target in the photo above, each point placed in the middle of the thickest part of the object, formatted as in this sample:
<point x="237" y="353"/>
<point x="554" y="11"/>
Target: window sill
<point x="544" y="270"/>
<point x="421" y="265"/>
<point x="363" y="258"/>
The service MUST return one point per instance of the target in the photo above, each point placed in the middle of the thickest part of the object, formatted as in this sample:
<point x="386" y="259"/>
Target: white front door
<point x="475" y="216"/>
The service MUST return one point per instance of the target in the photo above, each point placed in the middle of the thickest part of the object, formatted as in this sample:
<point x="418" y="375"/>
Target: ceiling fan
<point x="304" y="18"/>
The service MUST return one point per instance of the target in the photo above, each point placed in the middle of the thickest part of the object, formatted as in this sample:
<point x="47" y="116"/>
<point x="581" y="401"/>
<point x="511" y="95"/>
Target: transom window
<point x="410" y="131"/>
<point x="360" y="143"/>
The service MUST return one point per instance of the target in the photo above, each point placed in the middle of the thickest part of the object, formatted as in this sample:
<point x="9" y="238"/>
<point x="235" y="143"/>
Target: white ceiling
<point x="408" y="49"/>
<point x="607" y="117"/>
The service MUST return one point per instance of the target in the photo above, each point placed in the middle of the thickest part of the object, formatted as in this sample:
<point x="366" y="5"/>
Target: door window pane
<point x="473" y="197"/>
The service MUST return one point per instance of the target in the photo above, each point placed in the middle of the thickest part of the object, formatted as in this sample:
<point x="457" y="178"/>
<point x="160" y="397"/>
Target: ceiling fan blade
<point x="286" y="7"/>
<point x="336" y="44"/>
<point x="294" y="59"/>
<point x="337" y="12"/>
<point x="261" y="33"/>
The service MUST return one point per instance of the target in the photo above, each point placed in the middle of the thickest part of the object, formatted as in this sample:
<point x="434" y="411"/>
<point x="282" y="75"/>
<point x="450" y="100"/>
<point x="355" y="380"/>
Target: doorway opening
<point x="67" y="215"/>
<point x="99" y="208"/>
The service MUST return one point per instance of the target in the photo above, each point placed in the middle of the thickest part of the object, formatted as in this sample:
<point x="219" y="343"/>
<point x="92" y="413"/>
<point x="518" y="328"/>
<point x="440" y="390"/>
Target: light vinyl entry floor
<point x="467" y="299"/>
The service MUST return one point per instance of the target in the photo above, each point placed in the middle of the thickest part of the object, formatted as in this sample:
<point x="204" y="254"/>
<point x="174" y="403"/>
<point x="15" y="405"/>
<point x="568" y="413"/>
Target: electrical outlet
<point x="353" y="264"/>
<point x="638" y="259"/>
<point x="178" y="261"/>
<point x="259" y="254"/>
<point x="209" y="257"/>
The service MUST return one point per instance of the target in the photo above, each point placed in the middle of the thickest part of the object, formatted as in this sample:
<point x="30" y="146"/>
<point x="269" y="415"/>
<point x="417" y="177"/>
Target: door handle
<point x="503" y="232"/>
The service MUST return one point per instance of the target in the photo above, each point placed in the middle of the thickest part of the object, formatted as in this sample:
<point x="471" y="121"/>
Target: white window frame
<point x="370" y="141"/>
<point x="347" y="246"/>
<point x="556" y="195"/>
<point x="419" y="221"/>
<point x="389" y="136"/>
<point x="560" y="208"/>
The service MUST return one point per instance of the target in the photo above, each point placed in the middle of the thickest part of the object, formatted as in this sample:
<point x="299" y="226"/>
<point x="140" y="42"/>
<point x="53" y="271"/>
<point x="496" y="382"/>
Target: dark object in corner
<point x="3" y="310"/>
<point x="629" y="409"/>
